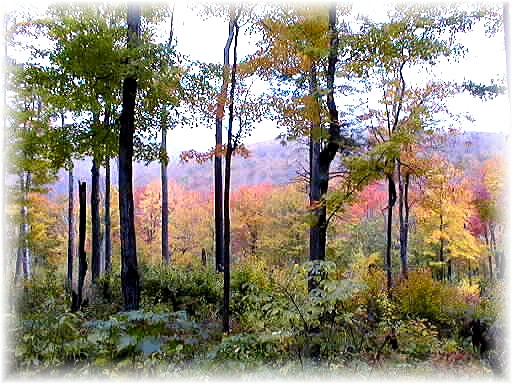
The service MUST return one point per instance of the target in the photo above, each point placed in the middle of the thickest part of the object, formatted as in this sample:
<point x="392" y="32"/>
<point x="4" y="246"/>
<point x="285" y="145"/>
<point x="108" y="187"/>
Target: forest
<point x="362" y="237"/>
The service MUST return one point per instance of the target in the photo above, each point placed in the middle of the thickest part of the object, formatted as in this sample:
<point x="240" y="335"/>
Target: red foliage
<point x="370" y="202"/>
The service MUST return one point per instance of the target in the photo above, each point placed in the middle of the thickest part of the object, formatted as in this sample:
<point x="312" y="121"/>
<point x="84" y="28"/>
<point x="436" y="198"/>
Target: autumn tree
<point x="300" y="49"/>
<point x="30" y="151"/>
<point x="416" y="36"/>
<point x="443" y="217"/>
<point x="487" y="191"/>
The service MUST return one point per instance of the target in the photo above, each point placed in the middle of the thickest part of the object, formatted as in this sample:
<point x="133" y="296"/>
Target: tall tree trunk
<point x="403" y="213"/>
<point x="227" y="185"/>
<point x="71" y="227"/>
<point x="95" y="220"/>
<point x="221" y="102"/>
<point x="315" y="195"/>
<point x="164" y="162"/>
<point x="108" y="223"/>
<point x="107" y="254"/>
<point x="389" y="226"/>
<point x="82" y="257"/>
<point x="129" y="267"/>
<point x="25" y="228"/>
<point x="165" y="192"/>
<point x="23" y="254"/>
<point x="321" y="158"/>
<point x="441" y="247"/>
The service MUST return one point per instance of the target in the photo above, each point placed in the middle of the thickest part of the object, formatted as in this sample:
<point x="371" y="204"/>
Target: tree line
<point x="102" y="86"/>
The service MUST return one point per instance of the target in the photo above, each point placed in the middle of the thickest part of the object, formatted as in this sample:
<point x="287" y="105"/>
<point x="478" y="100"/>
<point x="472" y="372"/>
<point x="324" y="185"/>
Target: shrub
<point x="250" y="347"/>
<point x="422" y="297"/>
<point x="197" y="291"/>
<point x="45" y="292"/>
<point x="417" y="338"/>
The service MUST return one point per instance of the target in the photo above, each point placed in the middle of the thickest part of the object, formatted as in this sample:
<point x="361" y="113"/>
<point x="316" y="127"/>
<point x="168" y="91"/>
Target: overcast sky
<point x="204" y="40"/>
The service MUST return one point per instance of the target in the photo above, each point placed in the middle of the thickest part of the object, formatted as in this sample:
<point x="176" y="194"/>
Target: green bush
<point x="196" y="291"/>
<point x="417" y="338"/>
<point x="268" y="347"/>
<point x="45" y="292"/>
<point x="422" y="297"/>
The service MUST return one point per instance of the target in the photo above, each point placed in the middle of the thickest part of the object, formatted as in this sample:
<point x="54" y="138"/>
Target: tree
<point x="443" y="217"/>
<point x="227" y="181"/>
<point x="416" y="36"/>
<point x="487" y="193"/>
<point x="249" y="218"/>
<point x="30" y="151"/>
<point x="129" y="269"/>
<point x="219" y="115"/>
<point x="82" y="257"/>
<point x="298" y="42"/>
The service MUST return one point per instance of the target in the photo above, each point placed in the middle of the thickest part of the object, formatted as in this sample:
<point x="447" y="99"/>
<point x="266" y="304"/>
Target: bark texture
<point x="227" y="185"/>
<point x="321" y="157"/>
<point x="95" y="220"/>
<point x="24" y="251"/>
<point x="164" y="162"/>
<point x="82" y="257"/>
<point x="71" y="228"/>
<point x="218" y="195"/>
<point x="388" y="264"/>
<point x="165" y="193"/>
<point x="129" y="267"/>
<point x="403" y="214"/>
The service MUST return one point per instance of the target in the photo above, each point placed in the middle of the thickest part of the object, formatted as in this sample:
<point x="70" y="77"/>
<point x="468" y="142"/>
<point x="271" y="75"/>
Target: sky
<point x="204" y="39"/>
<point x="485" y="60"/>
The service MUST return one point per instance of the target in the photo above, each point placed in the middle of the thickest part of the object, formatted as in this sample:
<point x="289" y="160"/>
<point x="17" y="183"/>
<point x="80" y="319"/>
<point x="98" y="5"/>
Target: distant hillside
<point x="271" y="162"/>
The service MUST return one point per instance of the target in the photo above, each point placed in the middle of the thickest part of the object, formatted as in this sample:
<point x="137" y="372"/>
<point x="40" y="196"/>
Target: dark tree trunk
<point x="203" y="257"/>
<point x="321" y="159"/>
<point x="71" y="221"/>
<point x="71" y="227"/>
<point x="219" y="254"/>
<point x="82" y="257"/>
<point x="95" y="220"/>
<point x="227" y="239"/>
<point x="389" y="227"/>
<point x="403" y="213"/>
<point x="129" y="267"/>
<point x="227" y="185"/>
<point x="108" y="224"/>
<point x="165" y="193"/>
<point x="221" y="102"/>
<point x="166" y="258"/>
<point x="316" y="245"/>
<point x="107" y="261"/>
